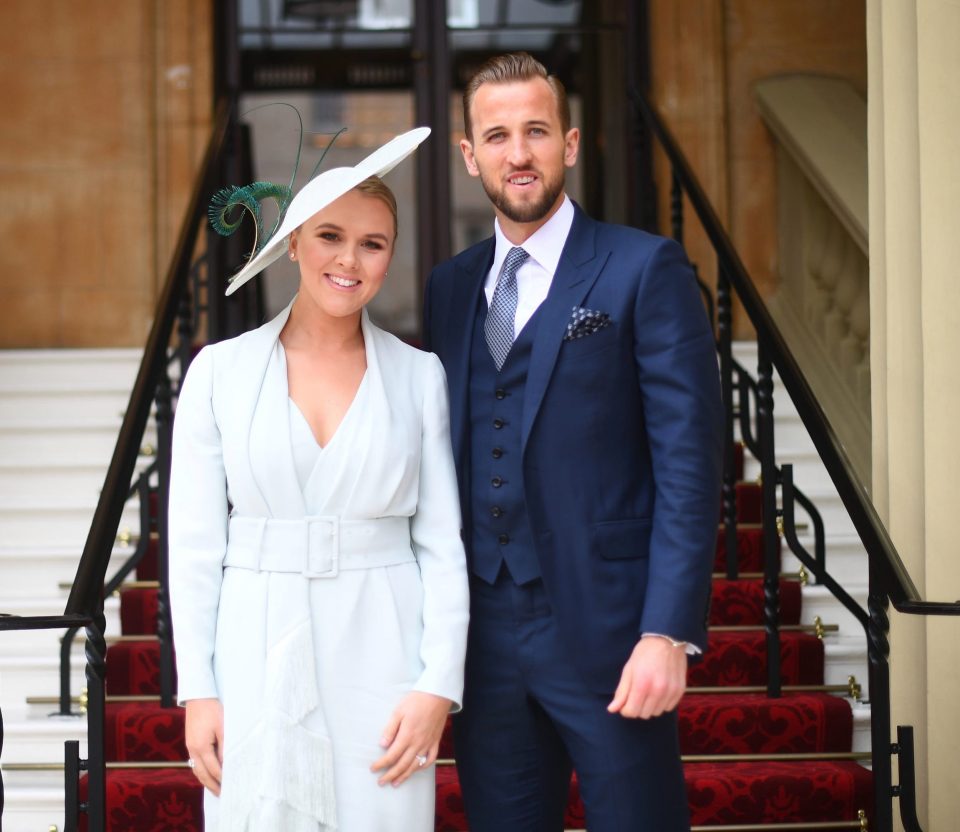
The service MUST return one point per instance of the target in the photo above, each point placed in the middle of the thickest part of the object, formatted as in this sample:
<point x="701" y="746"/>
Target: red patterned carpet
<point x="742" y="792"/>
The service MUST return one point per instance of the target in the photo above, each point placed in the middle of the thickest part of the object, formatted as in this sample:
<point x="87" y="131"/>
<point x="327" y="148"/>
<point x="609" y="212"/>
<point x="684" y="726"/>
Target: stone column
<point x="914" y="116"/>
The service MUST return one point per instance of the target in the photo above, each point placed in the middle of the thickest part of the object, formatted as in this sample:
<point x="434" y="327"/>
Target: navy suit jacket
<point x="621" y="437"/>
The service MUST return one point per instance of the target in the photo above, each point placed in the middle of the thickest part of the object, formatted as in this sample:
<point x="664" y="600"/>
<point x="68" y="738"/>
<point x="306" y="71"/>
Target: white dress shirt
<point x="536" y="274"/>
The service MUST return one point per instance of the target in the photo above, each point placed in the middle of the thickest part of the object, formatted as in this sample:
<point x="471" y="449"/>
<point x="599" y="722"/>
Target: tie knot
<point x="514" y="259"/>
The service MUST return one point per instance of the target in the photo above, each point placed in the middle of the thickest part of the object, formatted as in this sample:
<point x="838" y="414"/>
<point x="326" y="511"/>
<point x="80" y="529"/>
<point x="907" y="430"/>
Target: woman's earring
<point x="293" y="255"/>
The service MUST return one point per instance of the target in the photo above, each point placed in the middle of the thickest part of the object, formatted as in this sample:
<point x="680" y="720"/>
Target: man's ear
<point x="571" y="147"/>
<point x="466" y="148"/>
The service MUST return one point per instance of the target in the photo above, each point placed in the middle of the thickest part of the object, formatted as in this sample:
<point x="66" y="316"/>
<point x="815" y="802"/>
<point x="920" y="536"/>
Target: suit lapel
<point x="254" y="355"/>
<point x="578" y="269"/>
<point x="463" y="309"/>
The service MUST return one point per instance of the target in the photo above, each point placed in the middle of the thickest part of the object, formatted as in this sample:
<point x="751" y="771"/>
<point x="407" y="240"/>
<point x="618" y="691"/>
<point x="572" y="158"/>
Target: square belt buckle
<point x="323" y="547"/>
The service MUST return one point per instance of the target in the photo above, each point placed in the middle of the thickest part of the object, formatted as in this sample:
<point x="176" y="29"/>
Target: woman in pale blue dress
<point x="317" y="575"/>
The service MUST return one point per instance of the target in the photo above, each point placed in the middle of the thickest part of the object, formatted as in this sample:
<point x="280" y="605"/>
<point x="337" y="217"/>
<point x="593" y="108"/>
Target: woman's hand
<point x="204" y="735"/>
<point x="413" y="731"/>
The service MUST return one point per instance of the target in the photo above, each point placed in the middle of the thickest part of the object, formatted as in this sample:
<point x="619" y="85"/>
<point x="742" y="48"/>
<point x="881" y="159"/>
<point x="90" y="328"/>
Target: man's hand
<point x="413" y="732"/>
<point x="204" y="736"/>
<point x="653" y="680"/>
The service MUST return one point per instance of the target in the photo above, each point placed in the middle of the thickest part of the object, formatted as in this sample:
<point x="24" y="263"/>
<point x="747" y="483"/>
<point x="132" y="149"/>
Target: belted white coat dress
<point x="312" y="588"/>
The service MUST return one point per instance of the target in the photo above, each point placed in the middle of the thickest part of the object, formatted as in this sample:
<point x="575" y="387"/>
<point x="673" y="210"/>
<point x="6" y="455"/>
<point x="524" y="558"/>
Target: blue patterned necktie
<point x="503" y="308"/>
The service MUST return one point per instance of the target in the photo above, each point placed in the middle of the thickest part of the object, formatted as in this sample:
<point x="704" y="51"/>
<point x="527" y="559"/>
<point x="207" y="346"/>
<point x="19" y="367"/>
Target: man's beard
<point x="527" y="211"/>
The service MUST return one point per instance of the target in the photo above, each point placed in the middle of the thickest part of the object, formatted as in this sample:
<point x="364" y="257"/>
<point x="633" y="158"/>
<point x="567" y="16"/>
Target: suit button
<point x="496" y="482"/>
<point x="503" y="539"/>
<point x="500" y="393"/>
<point x="497" y="453"/>
<point x="496" y="511"/>
<point x="498" y="423"/>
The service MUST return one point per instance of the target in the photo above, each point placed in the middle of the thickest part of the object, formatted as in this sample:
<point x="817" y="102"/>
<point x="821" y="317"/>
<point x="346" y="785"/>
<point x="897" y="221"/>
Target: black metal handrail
<point x="889" y="580"/>
<point x="140" y="489"/>
<point x="898" y="584"/>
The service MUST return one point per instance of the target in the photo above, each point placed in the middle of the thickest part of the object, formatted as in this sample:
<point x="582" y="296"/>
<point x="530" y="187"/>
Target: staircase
<point x="59" y="414"/>
<point x="60" y="411"/>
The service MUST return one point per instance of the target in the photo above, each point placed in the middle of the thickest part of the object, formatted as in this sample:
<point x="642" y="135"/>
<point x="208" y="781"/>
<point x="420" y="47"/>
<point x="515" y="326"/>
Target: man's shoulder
<point x="467" y="260"/>
<point x="625" y="234"/>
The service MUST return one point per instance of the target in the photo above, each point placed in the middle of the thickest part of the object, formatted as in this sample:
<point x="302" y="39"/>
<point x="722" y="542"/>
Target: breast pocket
<point x="621" y="539"/>
<point x="595" y="342"/>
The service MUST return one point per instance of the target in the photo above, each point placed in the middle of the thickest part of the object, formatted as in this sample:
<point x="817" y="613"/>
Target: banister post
<point x="771" y="539"/>
<point x="878" y="653"/>
<point x="729" y="492"/>
<point x="96" y="653"/>
<point x="676" y="207"/>
<point x="164" y="454"/>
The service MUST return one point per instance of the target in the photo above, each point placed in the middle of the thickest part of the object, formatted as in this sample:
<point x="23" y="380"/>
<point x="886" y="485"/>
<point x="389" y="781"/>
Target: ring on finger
<point x="421" y="760"/>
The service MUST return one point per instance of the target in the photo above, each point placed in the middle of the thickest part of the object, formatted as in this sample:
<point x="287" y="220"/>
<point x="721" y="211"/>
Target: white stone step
<point x="31" y="572"/>
<point x="73" y="482"/>
<point x="23" y="676"/>
<point x="845" y="558"/>
<point x="91" y="442"/>
<point x="845" y="657"/>
<point x="861" y="726"/>
<point x="818" y="601"/>
<point x="38" y="737"/>
<point x="49" y="369"/>
<point x="24" y="405"/>
<point x="33" y="804"/>
<point x="51" y="524"/>
<point x="47" y="642"/>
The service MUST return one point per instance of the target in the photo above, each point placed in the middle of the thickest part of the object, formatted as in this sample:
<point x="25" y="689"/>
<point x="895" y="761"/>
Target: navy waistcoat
<point x="501" y="529"/>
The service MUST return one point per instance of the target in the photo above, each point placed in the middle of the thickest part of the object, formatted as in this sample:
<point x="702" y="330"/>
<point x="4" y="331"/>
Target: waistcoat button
<point x="498" y="423"/>
<point x="503" y="539"/>
<point x="496" y="511"/>
<point x="497" y="453"/>
<point x="496" y="482"/>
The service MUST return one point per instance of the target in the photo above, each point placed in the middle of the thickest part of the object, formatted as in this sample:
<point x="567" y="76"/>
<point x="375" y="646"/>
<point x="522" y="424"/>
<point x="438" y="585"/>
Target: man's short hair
<point x="505" y="69"/>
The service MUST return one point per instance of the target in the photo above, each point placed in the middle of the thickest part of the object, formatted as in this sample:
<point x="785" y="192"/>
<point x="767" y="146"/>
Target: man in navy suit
<point x="587" y="428"/>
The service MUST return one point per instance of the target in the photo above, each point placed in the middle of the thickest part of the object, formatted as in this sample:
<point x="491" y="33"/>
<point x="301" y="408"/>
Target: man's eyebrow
<point x="536" y="122"/>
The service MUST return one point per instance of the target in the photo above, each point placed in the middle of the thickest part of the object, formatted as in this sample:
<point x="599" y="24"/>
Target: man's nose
<point x="519" y="151"/>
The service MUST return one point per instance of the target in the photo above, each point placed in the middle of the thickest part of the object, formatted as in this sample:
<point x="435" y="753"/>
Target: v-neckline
<point x="343" y="419"/>
<point x="346" y="413"/>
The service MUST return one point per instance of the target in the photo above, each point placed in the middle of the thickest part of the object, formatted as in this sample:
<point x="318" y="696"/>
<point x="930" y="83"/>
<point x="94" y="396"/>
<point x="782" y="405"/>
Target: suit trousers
<point x="529" y="716"/>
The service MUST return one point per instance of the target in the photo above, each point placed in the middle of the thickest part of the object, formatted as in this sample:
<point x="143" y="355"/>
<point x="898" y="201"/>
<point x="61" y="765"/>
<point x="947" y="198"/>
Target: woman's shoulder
<point x="402" y="359"/>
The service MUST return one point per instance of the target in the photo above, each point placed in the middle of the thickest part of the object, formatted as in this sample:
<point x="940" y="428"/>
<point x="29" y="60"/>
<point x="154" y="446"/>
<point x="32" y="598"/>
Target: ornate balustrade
<point x="822" y="305"/>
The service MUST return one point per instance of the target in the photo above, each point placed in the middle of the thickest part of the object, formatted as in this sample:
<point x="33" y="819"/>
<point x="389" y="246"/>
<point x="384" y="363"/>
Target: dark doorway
<point x="379" y="67"/>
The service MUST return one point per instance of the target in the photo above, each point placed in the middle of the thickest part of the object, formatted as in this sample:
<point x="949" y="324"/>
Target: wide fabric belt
<point x="319" y="546"/>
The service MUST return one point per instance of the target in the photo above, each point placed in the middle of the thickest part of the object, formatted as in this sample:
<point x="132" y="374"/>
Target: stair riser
<point x="808" y="472"/>
<point x="49" y="369"/>
<point x="31" y="643"/>
<point x="55" y="527"/>
<point x="846" y="560"/>
<point x="19" y="407"/>
<point x="818" y="602"/>
<point x="93" y="446"/>
<point x="842" y="660"/>
<point x="25" y="743"/>
<point x="37" y="576"/>
<point x="69" y="484"/>
<point x="18" y="680"/>
<point x="33" y="804"/>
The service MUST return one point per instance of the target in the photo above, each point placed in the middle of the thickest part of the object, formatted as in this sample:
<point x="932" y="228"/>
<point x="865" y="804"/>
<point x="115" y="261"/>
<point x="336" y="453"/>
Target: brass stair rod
<point x="447" y="762"/>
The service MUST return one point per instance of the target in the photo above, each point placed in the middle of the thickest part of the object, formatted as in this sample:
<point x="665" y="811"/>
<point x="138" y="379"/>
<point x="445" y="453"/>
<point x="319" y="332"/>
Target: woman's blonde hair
<point x="374" y="186"/>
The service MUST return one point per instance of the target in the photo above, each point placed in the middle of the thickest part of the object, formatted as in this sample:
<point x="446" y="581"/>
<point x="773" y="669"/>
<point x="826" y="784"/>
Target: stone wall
<point x="106" y="110"/>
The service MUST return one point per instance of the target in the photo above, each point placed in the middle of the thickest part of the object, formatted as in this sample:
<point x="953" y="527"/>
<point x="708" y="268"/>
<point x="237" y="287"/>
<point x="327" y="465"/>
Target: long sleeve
<point x="198" y="530"/>
<point x="435" y="530"/>
<point x="680" y="384"/>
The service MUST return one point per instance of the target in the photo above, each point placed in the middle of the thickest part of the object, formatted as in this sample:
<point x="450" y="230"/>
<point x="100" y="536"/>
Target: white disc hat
<point x="323" y="189"/>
